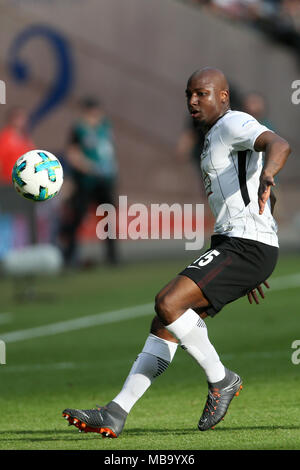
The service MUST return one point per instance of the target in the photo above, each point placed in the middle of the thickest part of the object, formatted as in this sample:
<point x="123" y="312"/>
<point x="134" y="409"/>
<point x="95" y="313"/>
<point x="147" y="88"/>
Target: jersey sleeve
<point x="241" y="131"/>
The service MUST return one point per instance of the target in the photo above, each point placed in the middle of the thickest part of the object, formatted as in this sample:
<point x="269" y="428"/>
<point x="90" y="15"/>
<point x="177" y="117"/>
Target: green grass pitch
<point x="86" y="367"/>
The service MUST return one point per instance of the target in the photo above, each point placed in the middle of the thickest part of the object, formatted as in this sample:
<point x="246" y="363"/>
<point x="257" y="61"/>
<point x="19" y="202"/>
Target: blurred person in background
<point x="14" y="141"/>
<point x="189" y="147"/>
<point x="280" y="19"/>
<point x="272" y="7"/>
<point x="290" y="13"/>
<point x="92" y="169"/>
<point x="233" y="9"/>
<point x="255" y="104"/>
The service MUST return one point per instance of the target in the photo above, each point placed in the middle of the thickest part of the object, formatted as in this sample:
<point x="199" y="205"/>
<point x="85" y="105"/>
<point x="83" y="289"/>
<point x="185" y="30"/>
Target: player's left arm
<point x="272" y="201"/>
<point x="276" y="151"/>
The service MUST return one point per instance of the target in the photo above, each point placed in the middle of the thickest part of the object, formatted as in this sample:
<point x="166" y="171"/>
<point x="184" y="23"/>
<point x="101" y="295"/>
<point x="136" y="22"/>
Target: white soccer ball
<point x="37" y="175"/>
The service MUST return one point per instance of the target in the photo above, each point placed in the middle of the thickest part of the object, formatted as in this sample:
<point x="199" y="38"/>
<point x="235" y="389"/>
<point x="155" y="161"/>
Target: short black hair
<point x="90" y="102"/>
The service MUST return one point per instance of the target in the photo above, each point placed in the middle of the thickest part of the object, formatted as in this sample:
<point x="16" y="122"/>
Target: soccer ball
<point x="37" y="175"/>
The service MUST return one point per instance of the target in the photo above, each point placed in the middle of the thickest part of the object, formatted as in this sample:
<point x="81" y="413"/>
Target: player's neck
<point x="209" y="126"/>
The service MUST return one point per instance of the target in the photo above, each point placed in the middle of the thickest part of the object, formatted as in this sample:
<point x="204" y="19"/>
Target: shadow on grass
<point x="70" y="435"/>
<point x="223" y="428"/>
<point x="31" y="436"/>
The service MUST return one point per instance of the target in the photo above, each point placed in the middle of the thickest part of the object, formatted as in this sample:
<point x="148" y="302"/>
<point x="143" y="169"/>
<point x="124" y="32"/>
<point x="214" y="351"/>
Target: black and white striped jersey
<point x="231" y="170"/>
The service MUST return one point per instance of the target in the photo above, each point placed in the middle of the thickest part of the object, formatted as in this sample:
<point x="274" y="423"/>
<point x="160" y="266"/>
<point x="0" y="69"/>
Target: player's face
<point x="93" y="116"/>
<point x="205" y="101"/>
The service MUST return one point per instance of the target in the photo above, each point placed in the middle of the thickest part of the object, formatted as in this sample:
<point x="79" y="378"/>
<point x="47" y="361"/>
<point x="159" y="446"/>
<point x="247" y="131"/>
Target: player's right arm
<point x="276" y="151"/>
<point x="185" y="145"/>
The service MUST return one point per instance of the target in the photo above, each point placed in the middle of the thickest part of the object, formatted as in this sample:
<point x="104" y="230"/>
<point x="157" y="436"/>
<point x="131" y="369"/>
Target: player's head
<point x="207" y="94"/>
<point x="92" y="110"/>
<point x="17" y="117"/>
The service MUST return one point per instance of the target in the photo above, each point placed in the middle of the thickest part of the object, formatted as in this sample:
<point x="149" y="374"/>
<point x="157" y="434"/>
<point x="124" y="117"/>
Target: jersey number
<point x="206" y="258"/>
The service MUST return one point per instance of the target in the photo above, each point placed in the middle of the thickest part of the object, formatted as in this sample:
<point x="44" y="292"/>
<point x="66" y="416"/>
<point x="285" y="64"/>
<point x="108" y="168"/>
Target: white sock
<point x="150" y="363"/>
<point x="191" y="331"/>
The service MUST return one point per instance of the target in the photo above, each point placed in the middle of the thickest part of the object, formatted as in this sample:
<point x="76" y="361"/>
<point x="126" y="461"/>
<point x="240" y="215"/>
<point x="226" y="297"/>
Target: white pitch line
<point x="63" y="366"/>
<point x="38" y="367"/>
<point x="285" y="282"/>
<point x="279" y="283"/>
<point x="79" y="323"/>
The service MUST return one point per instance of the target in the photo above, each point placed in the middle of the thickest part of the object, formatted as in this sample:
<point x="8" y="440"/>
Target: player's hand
<point x="273" y="200"/>
<point x="252" y="295"/>
<point x="264" y="191"/>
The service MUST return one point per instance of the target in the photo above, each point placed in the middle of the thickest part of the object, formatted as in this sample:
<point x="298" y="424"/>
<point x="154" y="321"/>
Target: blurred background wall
<point x="136" y="56"/>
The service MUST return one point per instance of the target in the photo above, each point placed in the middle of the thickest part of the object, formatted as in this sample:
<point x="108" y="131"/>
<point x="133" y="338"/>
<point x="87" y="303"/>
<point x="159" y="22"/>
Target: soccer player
<point x="242" y="255"/>
<point x="14" y="142"/>
<point x="92" y="166"/>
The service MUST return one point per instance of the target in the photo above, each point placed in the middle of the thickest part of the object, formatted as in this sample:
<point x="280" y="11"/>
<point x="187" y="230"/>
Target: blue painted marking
<point x="249" y="120"/>
<point x="64" y="69"/>
<point x="43" y="195"/>
<point x="16" y="174"/>
<point x="47" y="164"/>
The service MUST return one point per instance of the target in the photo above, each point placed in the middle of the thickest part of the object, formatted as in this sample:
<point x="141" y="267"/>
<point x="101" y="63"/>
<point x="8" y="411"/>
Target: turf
<point x="87" y="367"/>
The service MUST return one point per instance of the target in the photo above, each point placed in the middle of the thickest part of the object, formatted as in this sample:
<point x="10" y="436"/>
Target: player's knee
<point x="165" y="308"/>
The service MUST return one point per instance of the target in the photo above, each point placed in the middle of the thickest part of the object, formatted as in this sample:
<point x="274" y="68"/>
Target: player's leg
<point x="155" y="357"/>
<point x="171" y="303"/>
<point x="74" y="210"/>
<point x="104" y="193"/>
<point x="230" y="269"/>
<point x="224" y="273"/>
<point x="177" y="305"/>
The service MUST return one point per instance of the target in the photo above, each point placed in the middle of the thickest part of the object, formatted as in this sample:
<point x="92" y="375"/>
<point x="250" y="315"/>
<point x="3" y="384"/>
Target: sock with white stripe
<point x="154" y="359"/>
<point x="191" y="331"/>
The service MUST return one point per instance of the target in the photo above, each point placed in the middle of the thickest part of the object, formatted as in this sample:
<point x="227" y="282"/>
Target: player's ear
<point x="224" y="96"/>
